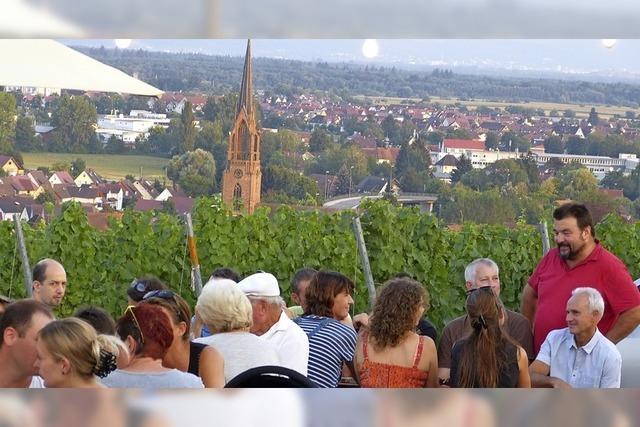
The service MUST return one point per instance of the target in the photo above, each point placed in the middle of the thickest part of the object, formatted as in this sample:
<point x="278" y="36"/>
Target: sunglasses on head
<point x="481" y="288"/>
<point x="129" y="309"/>
<point x="160" y="293"/>
<point x="138" y="286"/>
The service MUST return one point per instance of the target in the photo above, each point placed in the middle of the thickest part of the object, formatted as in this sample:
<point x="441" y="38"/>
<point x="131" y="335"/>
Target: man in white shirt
<point x="271" y="322"/>
<point x="19" y="327"/>
<point x="578" y="356"/>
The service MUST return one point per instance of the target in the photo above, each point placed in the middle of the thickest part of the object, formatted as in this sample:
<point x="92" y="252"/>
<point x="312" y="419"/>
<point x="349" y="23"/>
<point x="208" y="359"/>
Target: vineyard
<point x="101" y="264"/>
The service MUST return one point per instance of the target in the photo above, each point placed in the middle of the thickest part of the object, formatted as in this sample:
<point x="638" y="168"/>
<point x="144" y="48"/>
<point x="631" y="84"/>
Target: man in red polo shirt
<point x="579" y="261"/>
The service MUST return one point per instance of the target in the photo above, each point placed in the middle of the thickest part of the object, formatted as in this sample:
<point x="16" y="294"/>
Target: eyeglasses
<point x="160" y="293"/>
<point x="129" y="309"/>
<point x="481" y="288"/>
<point x="138" y="286"/>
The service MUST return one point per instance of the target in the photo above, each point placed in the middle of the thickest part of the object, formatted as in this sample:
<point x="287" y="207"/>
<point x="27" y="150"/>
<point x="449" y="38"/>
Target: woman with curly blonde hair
<point x="389" y="352"/>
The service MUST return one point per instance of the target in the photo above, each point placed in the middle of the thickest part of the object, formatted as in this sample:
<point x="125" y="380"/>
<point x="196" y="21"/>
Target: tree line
<point x="219" y="74"/>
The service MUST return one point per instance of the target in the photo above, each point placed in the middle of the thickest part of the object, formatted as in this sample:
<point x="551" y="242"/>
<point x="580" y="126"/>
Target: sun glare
<point x="370" y="48"/>
<point x="608" y="43"/>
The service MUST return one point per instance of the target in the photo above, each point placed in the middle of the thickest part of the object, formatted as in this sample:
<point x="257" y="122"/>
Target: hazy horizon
<point x="577" y="59"/>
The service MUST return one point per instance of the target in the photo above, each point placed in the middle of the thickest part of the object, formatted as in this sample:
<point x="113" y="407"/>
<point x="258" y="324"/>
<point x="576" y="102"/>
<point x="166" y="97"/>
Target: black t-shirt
<point x="426" y="329"/>
<point x="194" y="357"/>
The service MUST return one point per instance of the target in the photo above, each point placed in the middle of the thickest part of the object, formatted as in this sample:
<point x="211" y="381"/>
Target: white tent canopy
<point x="50" y="64"/>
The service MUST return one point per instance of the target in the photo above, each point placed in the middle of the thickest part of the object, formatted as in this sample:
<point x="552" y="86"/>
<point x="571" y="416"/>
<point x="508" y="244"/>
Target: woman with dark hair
<point x="331" y="343"/>
<point x="97" y="317"/>
<point x="140" y="287"/>
<point x="187" y="356"/>
<point x="389" y="352"/>
<point x="488" y="357"/>
<point x="146" y="330"/>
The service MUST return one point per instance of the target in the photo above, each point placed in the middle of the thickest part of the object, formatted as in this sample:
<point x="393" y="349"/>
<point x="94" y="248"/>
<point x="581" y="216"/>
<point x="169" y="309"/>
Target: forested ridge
<point x="219" y="74"/>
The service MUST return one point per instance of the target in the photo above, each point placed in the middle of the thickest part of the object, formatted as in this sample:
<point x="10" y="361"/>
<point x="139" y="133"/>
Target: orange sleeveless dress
<point x="383" y="375"/>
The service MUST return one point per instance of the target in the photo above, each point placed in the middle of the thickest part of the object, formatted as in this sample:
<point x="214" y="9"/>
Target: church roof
<point x="245" y="100"/>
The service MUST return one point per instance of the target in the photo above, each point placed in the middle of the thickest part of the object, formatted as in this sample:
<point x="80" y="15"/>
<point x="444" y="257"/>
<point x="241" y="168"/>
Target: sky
<point x="590" y="59"/>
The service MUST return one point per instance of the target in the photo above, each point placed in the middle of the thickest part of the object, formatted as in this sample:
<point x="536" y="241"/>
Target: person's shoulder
<point x="341" y="327"/>
<point x="607" y="258"/>
<point x="515" y="318"/>
<point x="610" y="348"/>
<point x="187" y="379"/>
<point x="558" y="335"/>
<point x="455" y="324"/>
<point x="427" y="342"/>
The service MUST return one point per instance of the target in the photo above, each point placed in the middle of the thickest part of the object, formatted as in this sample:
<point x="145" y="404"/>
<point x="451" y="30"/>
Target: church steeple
<point x="245" y="100"/>
<point x="242" y="178"/>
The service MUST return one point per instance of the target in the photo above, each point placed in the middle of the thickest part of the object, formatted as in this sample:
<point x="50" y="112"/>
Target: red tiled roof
<point x="464" y="144"/>
<point x="147" y="205"/>
<point x="64" y="176"/>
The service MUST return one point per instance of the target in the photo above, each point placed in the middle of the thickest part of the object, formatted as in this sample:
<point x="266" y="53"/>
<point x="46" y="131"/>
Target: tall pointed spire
<point x="245" y="99"/>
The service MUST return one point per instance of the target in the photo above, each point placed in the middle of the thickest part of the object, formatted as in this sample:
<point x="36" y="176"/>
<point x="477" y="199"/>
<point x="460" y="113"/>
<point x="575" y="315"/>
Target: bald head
<point x="49" y="282"/>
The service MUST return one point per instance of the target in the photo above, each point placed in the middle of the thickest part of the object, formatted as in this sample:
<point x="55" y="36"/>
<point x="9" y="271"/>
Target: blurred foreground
<point x="316" y="408"/>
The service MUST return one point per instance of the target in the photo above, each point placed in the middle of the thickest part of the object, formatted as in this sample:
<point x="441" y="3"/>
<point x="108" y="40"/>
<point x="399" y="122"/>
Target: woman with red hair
<point x="146" y="330"/>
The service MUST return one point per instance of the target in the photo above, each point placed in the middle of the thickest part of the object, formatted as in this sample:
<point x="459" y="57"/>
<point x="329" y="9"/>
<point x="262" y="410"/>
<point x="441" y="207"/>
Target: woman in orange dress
<point x="389" y="352"/>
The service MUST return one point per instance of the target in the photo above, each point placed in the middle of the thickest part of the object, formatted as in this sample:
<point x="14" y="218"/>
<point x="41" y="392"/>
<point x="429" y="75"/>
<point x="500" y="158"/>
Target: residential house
<point x="11" y="205"/>
<point x="168" y="193"/>
<point x="6" y="189"/>
<point x="181" y="205"/>
<point x="89" y="177"/>
<point x="85" y="195"/>
<point x="10" y="209"/>
<point x="383" y="155"/>
<point x="112" y="194"/>
<point x="458" y="147"/>
<point x="10" y="166"/>
<point x="61" y="177"/>
<point x="25" y="186"/>
<point x="144" y="189"/>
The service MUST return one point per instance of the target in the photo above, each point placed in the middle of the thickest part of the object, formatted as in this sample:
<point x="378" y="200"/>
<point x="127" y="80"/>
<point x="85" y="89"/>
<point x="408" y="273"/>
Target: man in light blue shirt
<point x="578" y="356"/>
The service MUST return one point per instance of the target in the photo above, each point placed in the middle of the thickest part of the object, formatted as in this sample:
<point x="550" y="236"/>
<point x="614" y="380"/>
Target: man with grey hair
<point x="578" y="356"/>
<point x="480" y="273"/>
<point x="270" y="321"/>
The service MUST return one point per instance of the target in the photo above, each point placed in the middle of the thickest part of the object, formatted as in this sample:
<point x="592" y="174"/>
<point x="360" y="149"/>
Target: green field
<point x="581" y="110"/>
<point x="110" y="166"/>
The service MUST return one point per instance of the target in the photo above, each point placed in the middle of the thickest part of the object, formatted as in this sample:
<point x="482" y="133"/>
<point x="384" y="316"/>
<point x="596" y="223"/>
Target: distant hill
<point x="219" y="74"/>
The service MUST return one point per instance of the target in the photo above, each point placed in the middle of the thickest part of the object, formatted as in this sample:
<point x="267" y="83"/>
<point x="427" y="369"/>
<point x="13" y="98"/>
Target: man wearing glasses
<point x="481" y="273"/>
<point x="49" y="282"/>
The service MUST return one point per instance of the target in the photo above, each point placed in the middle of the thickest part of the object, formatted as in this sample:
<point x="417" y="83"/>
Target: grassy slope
<point x="110" y="166"/>
<point x="580" y="110"/>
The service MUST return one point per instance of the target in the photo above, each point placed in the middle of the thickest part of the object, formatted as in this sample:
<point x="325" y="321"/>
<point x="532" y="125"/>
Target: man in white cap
<point x="271" y="322"/>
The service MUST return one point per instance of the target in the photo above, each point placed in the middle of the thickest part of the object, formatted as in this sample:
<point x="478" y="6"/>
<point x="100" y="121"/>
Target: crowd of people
<point x="578" y="303"/>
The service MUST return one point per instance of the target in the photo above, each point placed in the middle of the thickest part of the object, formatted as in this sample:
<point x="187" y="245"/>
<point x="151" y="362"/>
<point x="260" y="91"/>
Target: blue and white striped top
<point x="330" y="345"/>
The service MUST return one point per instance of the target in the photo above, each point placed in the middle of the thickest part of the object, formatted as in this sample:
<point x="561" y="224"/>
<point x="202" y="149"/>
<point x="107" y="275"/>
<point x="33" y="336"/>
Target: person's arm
<point x="524" y="380"/>
<point x="611" y="372"/>
<point x="429" y="350"/>
<point x="444" y="356"/>
<point x="626" y="323"/>
<point x="358" y="357"/>
<point x="443" y="376"/>
<point x="529" y="303"/>
<point x="211" y="368"/>
<point x="539" y="372"/>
